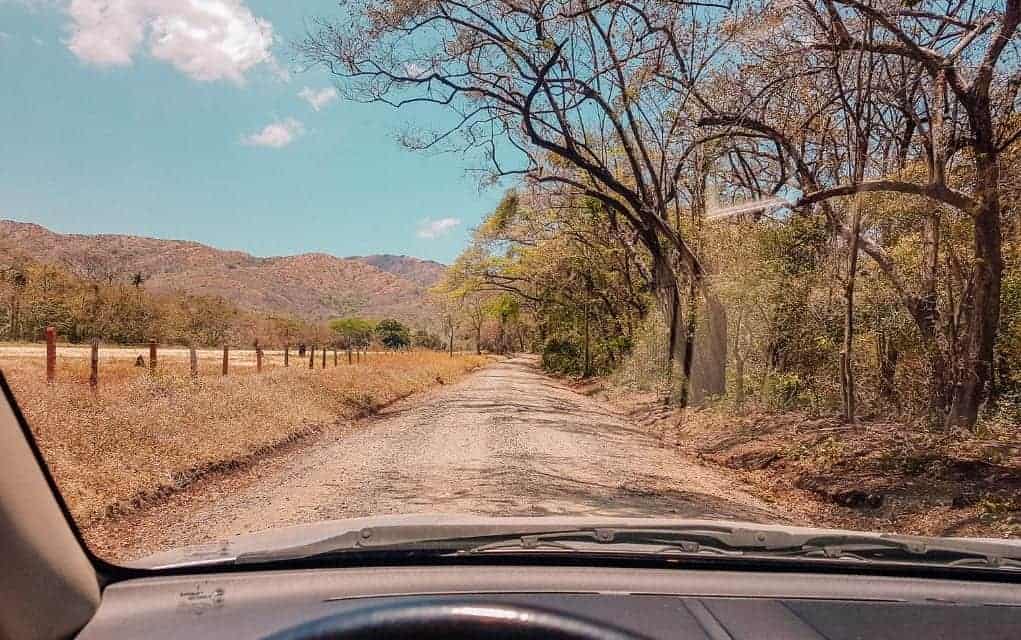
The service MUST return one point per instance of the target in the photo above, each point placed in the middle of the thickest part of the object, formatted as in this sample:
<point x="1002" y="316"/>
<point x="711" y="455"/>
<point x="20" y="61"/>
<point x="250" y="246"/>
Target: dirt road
<point x="505" y="441"/>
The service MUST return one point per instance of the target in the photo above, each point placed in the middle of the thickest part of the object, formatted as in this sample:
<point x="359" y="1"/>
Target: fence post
<point x="287" y="355"/>
<point x="258" y="357"/>
<point x="312" y="357"/>
<point x="334" y="357"/>
<point x="193" y="359"/>
<point x="226" y="359"/>
<point x="51" y="354"/>
<point x="324" y="357"/>
<point x="152" y="356"/>
<point x="349" y="356"/>
<point x="94" y="365"/>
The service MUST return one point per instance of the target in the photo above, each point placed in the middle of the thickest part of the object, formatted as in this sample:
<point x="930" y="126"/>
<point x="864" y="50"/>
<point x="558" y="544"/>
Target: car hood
<point x="448" y="526"/>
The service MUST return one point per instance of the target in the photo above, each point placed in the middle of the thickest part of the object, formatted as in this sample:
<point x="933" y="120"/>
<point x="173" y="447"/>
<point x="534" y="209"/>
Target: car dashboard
<point x="652" y="603"/>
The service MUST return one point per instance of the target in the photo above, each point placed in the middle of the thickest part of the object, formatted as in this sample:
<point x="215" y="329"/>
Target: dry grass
<point x="884" y="476"/>
<point x="142" y="436"/>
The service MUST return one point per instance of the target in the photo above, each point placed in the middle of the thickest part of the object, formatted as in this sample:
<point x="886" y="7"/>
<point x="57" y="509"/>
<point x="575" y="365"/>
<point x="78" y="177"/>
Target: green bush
<point x="562" y="356"/>
<point x="783" y="390"/>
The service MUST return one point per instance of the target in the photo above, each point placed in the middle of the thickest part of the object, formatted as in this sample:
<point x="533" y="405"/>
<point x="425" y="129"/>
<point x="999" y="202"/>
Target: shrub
<point x="783" y="390"/>
<point x="562" y="356"/>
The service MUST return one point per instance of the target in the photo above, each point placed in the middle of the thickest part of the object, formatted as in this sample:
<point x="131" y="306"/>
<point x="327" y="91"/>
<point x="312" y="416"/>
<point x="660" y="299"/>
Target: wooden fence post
<point x="51" y="354"/>
<point x="226" y="359"/>
<point x="152" y="356"/>
<point x="312" y="357"/>
<point x="287" y="355"/>
<point x="349" y="356"/>
<point x="324" y="357"/>
<point x="94" y="365"/>
<point x="258" y="357"/>
<point x="193" y="359"/>
<point x="334" y="357"/>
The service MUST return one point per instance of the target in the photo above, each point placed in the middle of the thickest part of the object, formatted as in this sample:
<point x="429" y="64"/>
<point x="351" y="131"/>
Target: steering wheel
<point x="452" y="620"/>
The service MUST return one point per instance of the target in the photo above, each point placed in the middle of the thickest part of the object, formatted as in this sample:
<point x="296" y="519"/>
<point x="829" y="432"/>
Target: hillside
<point x="424" y="273"/>
<point x="312" y="286"/>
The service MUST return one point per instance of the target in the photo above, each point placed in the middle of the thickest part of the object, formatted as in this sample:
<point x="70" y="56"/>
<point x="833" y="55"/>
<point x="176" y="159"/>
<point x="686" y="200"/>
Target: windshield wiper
<point x="770" y="544"/>
<point x="774" y="544"/>
<point x="691" y="540"/>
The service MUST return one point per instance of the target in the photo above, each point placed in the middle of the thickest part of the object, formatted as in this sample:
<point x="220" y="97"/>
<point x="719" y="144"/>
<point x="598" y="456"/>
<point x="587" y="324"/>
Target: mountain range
<point x="313" y="286"/>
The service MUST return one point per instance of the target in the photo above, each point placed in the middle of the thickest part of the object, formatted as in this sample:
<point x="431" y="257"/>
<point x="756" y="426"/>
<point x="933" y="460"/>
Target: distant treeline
<point x="36" y="295"/>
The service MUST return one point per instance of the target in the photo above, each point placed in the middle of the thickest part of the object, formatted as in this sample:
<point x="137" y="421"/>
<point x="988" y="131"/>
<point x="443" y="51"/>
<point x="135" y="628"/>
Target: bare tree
<point x="584" y="98"/>
<point x="945" y="85"/>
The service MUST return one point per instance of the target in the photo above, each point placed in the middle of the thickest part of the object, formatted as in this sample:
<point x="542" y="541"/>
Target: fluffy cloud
<point x="275" y="135"/>
<point x="415" y="70"/>
<point x="206" y="39"/>
<point x="430" y="229"/>
<point x="318" y="98"/>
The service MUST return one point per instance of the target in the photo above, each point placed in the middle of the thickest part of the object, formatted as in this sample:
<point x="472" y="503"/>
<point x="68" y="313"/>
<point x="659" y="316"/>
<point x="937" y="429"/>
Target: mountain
<point x="314" y="286"/>
<point x="424" y="273"/>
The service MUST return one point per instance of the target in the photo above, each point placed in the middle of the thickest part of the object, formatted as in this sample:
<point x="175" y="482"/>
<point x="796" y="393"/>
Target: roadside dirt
<point x="872" y="475"/>
<point x="505" y="441"/>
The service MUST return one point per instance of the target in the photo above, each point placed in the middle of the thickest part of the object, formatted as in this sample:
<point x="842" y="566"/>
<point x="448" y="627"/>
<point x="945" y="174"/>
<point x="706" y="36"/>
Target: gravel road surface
<point x="507" y="440"/>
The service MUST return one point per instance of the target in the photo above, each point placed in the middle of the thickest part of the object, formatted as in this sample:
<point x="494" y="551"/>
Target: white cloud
<point x="205" y="39"/>
<point x="415" y="70"/>
<point x="275" y="135"/>
<point x="318" y="98"/>
<point x="431" y="229"/>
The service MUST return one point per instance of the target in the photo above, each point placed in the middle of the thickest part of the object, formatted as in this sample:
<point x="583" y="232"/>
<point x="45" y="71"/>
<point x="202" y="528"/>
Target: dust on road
<point x="505" y="441"/>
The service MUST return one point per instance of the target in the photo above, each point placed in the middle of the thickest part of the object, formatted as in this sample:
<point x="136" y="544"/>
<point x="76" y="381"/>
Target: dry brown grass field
<point x="140" y="436"/>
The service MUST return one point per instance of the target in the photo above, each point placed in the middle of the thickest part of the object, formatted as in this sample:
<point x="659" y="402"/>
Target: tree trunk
<point x="675" y="322"/>
<point x="689" y="345"/>
<point x="739" y="379"/>
<point x="983" y="316"/>
<point x="887" y="356"/>
<point x="925" y="313"/>
<point x="738" y="360"/>
<point x="847" y="383"/>
<point x="712" y="375"/>
<point x="588" y="353"/>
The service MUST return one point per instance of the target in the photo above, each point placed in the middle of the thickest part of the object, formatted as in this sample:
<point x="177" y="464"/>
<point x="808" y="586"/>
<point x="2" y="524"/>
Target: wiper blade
<point x="461" y="538"/>
<point x="772" y="544"/>
<point x="694" y="539"/>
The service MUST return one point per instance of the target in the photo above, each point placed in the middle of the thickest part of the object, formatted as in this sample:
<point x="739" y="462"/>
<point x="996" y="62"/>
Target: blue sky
<point x="182" y="119"/>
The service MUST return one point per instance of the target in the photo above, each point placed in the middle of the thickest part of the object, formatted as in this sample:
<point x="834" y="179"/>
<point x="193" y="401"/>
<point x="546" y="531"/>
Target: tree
<point x="16" y="280"/>
<point x="506" y="309"/>
<point x="596" y="101"/>
<point x="543" y="272"/>
<point x="427" y="340"/>
<point x="208" y="320"/>
<point x="944" y="87"/>
<point x="352" y="333"/>
<point x="475" y="311"/>
<point x="393" y="334"/>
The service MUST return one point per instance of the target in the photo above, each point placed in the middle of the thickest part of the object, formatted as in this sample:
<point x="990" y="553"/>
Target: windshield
<point x="271" y="264"/>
